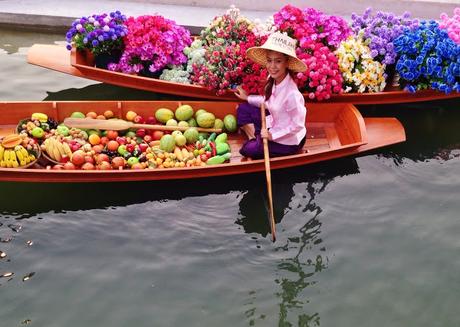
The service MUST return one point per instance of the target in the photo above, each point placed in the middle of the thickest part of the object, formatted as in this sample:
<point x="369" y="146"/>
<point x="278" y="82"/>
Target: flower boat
<point x="75" y="63"/>
<point x="333" y="131"/>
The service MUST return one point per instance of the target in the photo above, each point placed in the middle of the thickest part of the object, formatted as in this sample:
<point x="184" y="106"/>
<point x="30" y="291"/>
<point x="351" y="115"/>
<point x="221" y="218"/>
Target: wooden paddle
<point x="119" y="125"/>
<point x="268" y="175"/>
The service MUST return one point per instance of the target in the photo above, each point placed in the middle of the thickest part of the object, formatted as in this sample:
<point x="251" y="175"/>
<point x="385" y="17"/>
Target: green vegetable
<point x="219" y="159"/>
<point x="222" y="148"/>
<point x="221" y="138"/>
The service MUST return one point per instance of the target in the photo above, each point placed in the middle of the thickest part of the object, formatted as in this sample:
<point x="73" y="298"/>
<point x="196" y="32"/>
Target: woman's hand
<point x="240" y="93"/>
<point x="264" y="133"/>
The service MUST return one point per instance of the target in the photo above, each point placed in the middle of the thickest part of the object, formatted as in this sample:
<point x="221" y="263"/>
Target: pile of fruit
<point x="17" y="151"/>
<point x="67" y="147"/>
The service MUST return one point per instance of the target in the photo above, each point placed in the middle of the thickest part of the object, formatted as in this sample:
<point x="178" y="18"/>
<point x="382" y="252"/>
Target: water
<point x="367" y="241"/>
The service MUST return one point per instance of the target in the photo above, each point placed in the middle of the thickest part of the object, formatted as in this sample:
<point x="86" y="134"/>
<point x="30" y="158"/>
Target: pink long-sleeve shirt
<point x="286" y="105"/>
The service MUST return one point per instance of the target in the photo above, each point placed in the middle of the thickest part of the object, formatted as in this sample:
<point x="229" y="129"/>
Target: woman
<point x="286" y="113"/>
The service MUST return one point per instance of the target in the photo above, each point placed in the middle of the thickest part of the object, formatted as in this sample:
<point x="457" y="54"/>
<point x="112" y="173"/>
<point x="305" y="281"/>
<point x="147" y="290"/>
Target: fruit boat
<point x="75" y="63"/>
<point x="333" y="131"/>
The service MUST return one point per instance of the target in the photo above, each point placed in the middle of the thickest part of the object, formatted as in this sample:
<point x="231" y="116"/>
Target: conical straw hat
<point x="279" y="42"/>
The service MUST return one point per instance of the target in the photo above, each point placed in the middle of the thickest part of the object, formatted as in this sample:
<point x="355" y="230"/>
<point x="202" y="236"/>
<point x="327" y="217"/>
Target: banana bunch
<point x="56" y="150"/>
<point x="15" y="157"/>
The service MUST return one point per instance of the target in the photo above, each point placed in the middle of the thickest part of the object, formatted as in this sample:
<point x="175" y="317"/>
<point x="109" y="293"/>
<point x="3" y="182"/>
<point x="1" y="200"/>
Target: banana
<point x="2" y="150"/>
<point x="3" y="163"/>
<point x="9" y="163"/>
<point x="39" y="116"/>
<point x="67" y="149"/>
<point x="6" y="155"/>
<point x="56" y="153"/>
<point x="61" y="149"/>
<point x="18" y="152"/>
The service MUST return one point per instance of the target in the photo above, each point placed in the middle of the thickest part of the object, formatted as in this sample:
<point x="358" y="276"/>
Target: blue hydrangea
<point x="428" y="58"/>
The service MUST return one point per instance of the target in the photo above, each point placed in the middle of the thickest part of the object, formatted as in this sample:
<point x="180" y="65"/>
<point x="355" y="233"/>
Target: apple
<point x="104" y="165"/>
<point x="98" y="148"/>
<point x="57" y="167"/>
<point x="137" y="166"/>
<point x="118" y="162"/>
<point x="102" y="157"/>
<point x="104" y="140"/>
<point x="140" y="132"/>
<point x="64" y="159"/>
<point x="121" y="139"/>
<point x="157" y="135"/>
<point x="69" y="166"/>
<point x="122" y="149"/>
<point x="148" y="138"/>
<point x="130" y="147"/>
<point x="87" y="166"/>
<point x="143" y="147"/>
<point x="138" y="119"/>
<point x="78" y="158"/>
<point x="132" y="161"/>
<point x="151" y="120"/>
<point x="89" y="159"/>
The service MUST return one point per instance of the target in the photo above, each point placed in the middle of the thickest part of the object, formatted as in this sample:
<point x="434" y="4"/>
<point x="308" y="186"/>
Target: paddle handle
<point x="268" y="175"/>
<point x="175" y="128"/>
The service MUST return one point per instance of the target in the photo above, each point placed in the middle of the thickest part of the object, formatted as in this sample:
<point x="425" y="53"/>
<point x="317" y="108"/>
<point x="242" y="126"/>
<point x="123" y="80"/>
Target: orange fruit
<point x="94" y="139"/>
<point x="112" y="135"/>
<point x="130" y="115"/>
<point x="108" y="114"/>
<point x="101" y="117"/>
<point x="91" y="114"/>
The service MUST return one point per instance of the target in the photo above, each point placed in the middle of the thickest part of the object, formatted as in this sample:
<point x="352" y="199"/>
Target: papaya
<point x="199" y="112"/>
<point x="206" y="120"/>
<point x="164" y="114"/>
<point x="184" y="112"/>
<point x="230" y="123"/>
<point x="218" y="123"/>
<point x="191" y="134"/>
<point x="167" y="143"/>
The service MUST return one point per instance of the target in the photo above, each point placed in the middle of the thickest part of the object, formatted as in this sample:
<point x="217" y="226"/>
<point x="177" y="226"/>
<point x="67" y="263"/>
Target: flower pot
<point x="102" y="60"/>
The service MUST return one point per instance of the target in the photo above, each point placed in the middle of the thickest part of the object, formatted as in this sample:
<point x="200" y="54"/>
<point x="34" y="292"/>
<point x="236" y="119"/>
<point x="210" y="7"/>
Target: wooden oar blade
<point x="90" y="123"/>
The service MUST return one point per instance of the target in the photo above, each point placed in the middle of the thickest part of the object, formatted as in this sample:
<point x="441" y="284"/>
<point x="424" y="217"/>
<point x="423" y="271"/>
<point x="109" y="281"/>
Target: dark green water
<point x="368" y="241"/>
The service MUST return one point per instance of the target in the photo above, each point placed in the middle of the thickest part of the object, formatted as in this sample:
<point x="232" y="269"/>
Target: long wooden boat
<point x="333" y="131"/>
<point x="74" y="63"/>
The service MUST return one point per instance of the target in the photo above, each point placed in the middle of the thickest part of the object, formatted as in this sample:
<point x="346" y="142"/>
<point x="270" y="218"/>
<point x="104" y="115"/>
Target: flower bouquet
<point x="318" y="35"/>
<point x="452" y="25"/>
<point x="102" y="35"/>
<point x="225" y="42"/>
<point x="153" y="42"/>
<point x="428" y="58"/>
<point x="359" y="71"/>
<point x="380" y="30"/>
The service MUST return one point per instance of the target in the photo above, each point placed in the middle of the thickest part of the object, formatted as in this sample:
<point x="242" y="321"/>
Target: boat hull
<point x="333" y="131"/>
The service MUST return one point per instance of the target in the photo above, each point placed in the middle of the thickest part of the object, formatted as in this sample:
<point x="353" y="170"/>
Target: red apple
<point x="151" y="120"/>
<point x="104" y="140"/>
<point x="130" y="147"/>
<point x="87" y="166"/>
<point x="90" y="159"/>
<point x="102" y="157"/>
<point x="78" y="158"/>
<point x="148" y="138"/>
<point x="104" y="165"/>
<point x="118" y="162"/>
<point x="140" y="132"/>
<point x="157" y="135"/>
<point x="143" y="147"/>
<point x="64" y="159"/>
<point x="69" y="166"/>
<point x="121" y="140"/>
<point x="98" y="148"/>
<point x="138" y="119"/>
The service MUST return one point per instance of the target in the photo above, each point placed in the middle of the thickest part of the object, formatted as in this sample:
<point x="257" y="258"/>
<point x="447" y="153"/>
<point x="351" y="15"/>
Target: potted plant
<point x="101" y="35"/>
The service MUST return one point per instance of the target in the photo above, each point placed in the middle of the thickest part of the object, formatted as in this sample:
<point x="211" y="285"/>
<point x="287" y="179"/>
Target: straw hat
<point x="279" y="42"/>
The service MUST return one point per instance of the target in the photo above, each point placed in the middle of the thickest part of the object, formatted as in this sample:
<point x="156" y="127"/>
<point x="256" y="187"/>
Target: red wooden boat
<point x="74" y="63"/>
<point x="333" y="131"/>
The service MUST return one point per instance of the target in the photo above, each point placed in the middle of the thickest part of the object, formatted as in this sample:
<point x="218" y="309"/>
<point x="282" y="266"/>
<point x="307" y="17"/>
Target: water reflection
<point x="11" y="40"/>
<point x="305" y="251"/>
